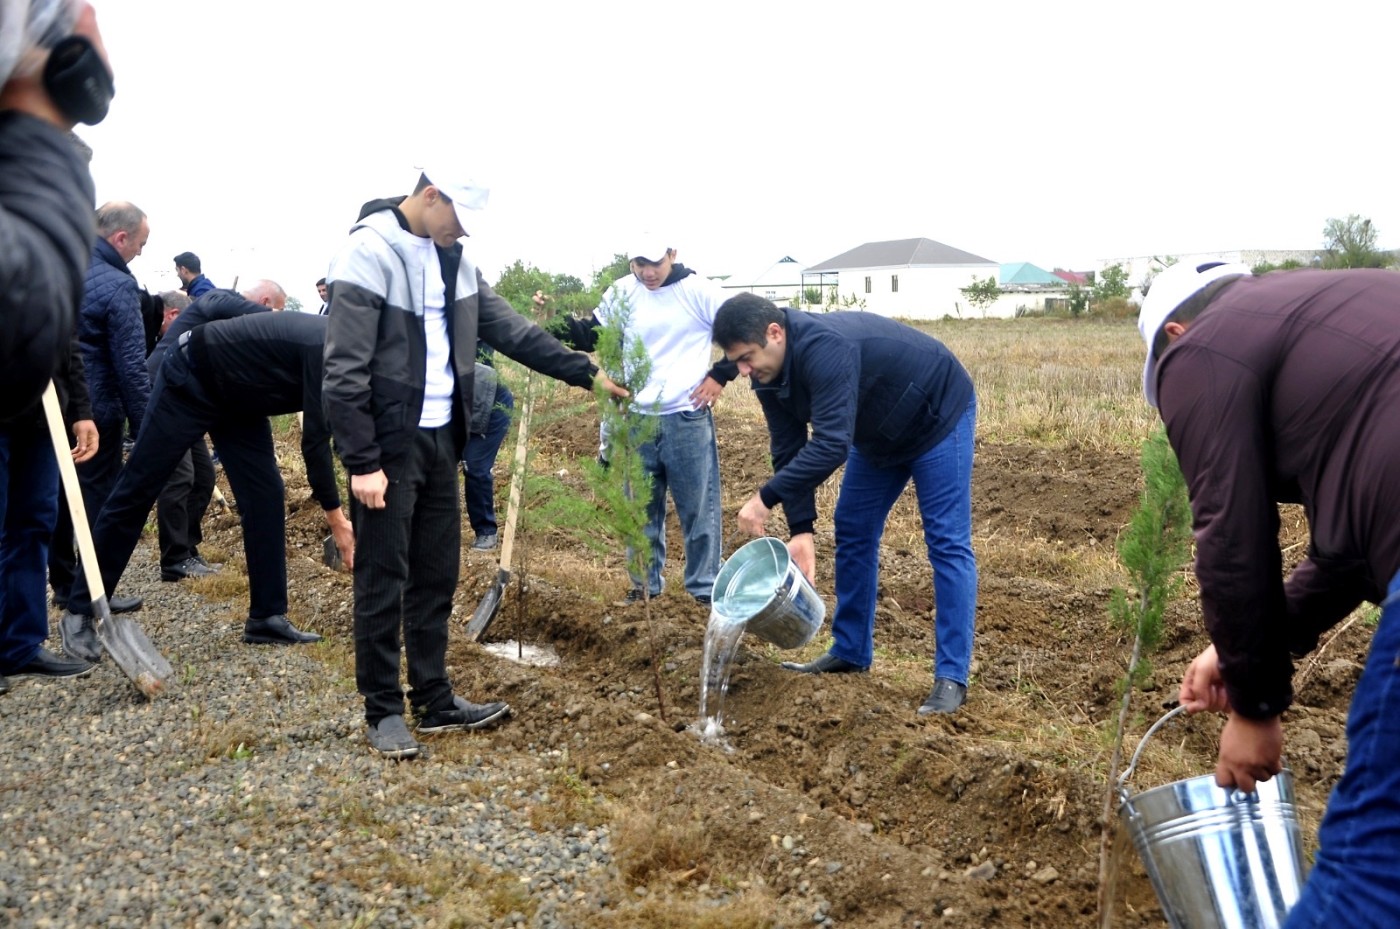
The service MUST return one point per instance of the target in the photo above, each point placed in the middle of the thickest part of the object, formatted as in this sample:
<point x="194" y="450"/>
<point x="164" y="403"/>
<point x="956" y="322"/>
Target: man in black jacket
<point x="226" y="378"/>
<point x="892" y="404"/>
<point x="186" y="495"/>
<point x="46" y="225"/>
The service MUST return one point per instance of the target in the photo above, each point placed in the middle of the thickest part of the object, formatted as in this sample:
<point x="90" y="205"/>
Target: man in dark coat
<point x="893" y="405"/>
<point x="1285" y="388"/>
<point x="226" y="378"/>
<point x="46" y="225"/>
<point x="112" y="335"/>
<point x="192" y="279"/>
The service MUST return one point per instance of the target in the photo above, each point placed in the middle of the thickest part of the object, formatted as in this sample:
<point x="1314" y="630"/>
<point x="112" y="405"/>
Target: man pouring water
<point x="892" y="404"/>
<point x="1285" y="388"/>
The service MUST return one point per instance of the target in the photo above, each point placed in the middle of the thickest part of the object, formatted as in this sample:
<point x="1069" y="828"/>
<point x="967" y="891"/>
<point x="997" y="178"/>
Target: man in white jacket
<point x="673" y="311"/>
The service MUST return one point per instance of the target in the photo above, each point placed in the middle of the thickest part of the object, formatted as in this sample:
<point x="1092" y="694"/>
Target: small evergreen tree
<point x="1153" y="549"/>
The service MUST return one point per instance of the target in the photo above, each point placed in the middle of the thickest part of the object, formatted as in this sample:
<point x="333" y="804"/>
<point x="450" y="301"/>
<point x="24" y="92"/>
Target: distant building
<point x="906" y="278"/>
<point x="780" y="282"/>
<point x="1140" y="269"/>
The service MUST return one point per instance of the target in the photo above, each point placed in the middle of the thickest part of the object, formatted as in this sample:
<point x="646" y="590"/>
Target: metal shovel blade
<point x="122" y="637"/>
<point x="126" y="642"/>
<point x="489" y="606"/>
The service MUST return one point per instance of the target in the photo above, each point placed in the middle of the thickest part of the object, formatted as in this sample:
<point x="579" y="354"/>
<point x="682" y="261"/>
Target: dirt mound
<point x="836" y="798"/>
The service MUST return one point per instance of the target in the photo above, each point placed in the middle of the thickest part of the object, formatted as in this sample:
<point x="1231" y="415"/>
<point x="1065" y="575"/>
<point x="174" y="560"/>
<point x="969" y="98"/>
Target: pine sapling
<point x="1153" y="549"/>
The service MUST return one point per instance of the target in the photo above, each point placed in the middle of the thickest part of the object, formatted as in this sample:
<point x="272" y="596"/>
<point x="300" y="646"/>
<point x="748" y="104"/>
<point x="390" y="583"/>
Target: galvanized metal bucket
<point x="1218" y="858"/>
<point x="761" y="587"/>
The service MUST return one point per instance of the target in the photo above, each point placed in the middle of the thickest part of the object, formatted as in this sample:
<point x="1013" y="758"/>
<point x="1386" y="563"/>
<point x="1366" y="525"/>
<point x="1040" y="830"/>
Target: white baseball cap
<point x="464" y="193"/>
<point x="1169" y="290"/>
<point x="647" y="246"/>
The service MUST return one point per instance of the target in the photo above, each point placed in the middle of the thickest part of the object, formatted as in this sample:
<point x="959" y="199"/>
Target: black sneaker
<point x="462" y="716"/>
<point x="390" y="737"/>
<point x="215" y="568"/>
<point x="46" y="664"/>
<point x="190" y="567"/>
<point x="946" y="696"/>
<point x="484" y="542"/>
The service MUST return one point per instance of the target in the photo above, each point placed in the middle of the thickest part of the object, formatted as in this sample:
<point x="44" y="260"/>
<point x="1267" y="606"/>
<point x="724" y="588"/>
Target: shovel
<point x="122" y="637"/>
<point x="490" y="605"/>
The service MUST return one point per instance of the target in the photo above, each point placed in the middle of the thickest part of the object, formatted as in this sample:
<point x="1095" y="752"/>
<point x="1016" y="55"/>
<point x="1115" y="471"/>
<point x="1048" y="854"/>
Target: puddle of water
<point x="538" y="656"/>
<point x="722" y="638"/>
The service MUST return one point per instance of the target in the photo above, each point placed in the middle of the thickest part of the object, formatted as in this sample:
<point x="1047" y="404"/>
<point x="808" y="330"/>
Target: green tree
<point x="518" y="284"/>
<point x="620" y="266"/>
<point x="1111" y="282"/>
<point x="293" y="305"/>
<point x="1078" y="300"/>
<point x="1351" y="243"/>
<point x="1153" y="549"/>
<point x="982" y="294"/>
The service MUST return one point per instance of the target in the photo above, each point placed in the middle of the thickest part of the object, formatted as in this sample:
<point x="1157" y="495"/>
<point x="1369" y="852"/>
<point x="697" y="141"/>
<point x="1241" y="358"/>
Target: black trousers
<point x="96" y="476"/>
<point x="407" y="557"/>
<point x="182" y="504"/>
<point x="182" y="410"/>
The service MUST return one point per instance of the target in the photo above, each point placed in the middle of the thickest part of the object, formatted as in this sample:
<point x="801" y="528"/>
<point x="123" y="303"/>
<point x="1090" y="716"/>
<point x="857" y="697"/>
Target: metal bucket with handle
<point x="759" y="585"/>
<point x="1218" y="858"/>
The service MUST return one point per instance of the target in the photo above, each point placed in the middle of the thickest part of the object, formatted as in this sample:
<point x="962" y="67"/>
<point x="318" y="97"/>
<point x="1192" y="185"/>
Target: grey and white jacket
<point x="376" y="345"/>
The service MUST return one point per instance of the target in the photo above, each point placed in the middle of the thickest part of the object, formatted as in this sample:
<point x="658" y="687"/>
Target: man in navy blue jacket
<point x="113" y="339"/>
<point x="892" y="404"/>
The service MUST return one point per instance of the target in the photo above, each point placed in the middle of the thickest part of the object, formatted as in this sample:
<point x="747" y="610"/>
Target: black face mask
<point x="78" y="82"/>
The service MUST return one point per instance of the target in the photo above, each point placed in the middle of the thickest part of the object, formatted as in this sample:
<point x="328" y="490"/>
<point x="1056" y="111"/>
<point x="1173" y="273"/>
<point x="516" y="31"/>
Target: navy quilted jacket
<point x="113" y="339"/>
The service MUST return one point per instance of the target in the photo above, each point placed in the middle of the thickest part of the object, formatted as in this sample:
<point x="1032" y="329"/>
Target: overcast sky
<point x="1055" y="133"/>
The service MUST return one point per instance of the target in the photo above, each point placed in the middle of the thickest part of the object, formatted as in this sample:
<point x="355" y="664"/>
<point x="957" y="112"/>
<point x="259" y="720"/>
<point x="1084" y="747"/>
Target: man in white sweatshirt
<point x="673" y="311"/>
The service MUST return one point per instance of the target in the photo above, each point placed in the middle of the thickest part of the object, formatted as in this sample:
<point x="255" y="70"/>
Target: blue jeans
<point x="683" y="459"/>
<point x="28" y="508"/>
<point x="1353" y="880"/>
<point x="480" y="458"/>
<point x="943" y="484"/>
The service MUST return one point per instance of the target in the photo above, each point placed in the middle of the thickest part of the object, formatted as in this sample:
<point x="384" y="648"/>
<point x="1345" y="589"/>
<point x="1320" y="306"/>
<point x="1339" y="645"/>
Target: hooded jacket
<point x="376" y="345"/>
<point x="674" y="323"/>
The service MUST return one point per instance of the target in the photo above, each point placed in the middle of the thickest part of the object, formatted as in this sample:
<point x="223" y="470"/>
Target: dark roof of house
<point x="900" y="253"/>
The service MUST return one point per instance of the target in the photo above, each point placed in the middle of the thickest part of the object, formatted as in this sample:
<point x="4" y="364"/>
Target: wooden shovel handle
<point x="68" y="473"/>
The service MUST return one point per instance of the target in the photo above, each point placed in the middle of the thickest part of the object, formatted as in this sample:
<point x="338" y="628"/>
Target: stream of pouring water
<point x="722" y="638"/>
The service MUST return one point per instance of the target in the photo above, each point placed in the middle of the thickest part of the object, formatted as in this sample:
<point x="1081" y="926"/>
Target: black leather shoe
<point x="946" y="696"/>
<point x="275" y="630"/>
<point x="79" y="635"/>
<point x="47" y="664"/>
<point x="826" y="664"/>
<point x="124" y="604"/>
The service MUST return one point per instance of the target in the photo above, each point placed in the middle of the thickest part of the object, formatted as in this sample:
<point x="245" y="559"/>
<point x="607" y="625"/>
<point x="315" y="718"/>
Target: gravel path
<point x="246" y="796"/>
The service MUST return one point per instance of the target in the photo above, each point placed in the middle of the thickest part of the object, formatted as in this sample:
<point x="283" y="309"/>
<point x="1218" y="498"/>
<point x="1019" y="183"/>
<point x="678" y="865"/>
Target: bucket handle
<point x="1122" y="784"/>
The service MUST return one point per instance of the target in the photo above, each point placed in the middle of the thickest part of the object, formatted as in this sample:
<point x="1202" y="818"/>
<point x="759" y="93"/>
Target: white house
<point x="780" y="282"/>
<point x="907" y="278"/>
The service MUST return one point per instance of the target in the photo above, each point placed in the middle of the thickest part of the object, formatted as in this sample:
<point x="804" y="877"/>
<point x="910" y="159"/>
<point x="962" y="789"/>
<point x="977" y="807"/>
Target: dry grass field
<point x="989" y="818"/>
